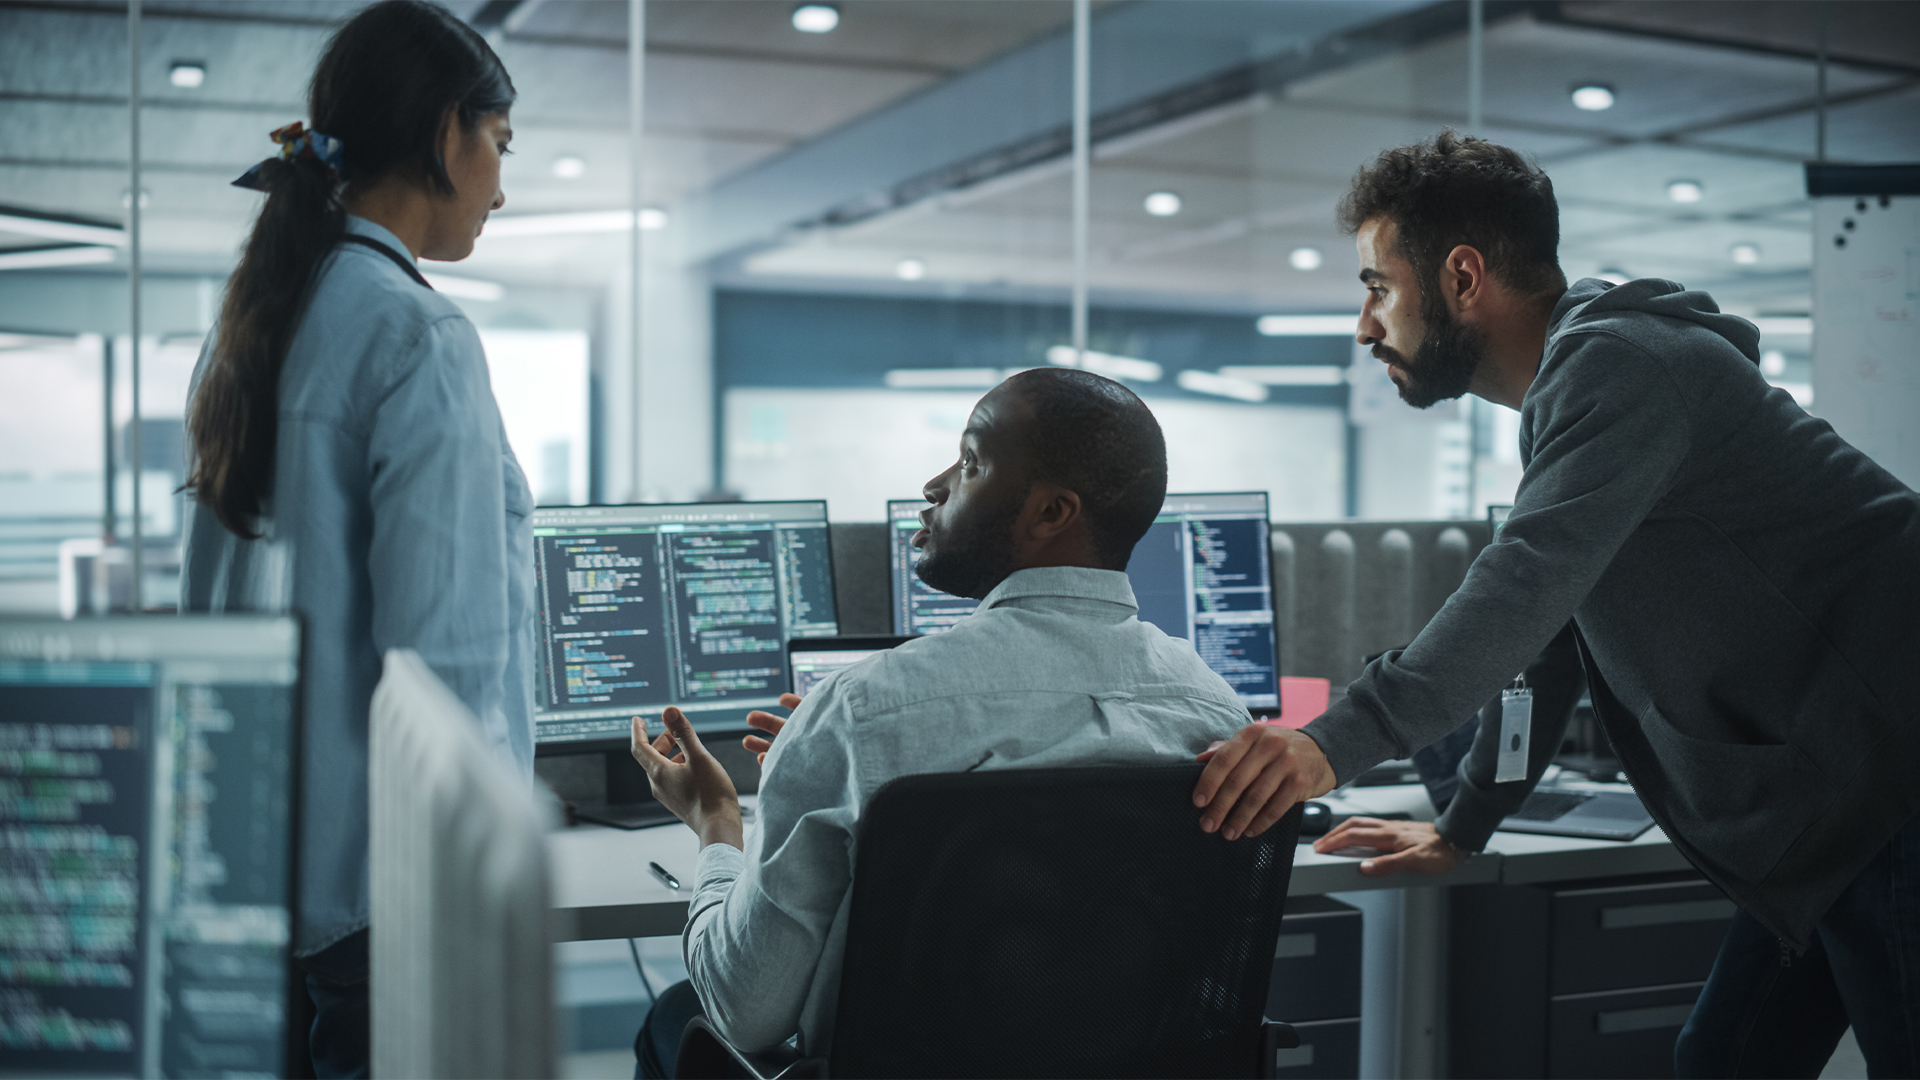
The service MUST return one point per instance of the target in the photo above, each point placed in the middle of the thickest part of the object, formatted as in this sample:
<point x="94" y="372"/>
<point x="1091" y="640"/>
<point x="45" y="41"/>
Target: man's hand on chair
<point x="1254" y="778"/>
<point x="692" y="783"/>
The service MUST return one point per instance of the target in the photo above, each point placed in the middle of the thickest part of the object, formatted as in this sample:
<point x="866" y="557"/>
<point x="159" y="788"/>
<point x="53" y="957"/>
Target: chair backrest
<point x="462" y="979"/>
<point x="1057" y="922"/>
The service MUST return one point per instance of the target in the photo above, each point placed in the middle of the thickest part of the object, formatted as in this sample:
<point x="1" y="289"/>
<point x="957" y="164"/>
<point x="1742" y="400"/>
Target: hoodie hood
<point x="1591" y="300"/>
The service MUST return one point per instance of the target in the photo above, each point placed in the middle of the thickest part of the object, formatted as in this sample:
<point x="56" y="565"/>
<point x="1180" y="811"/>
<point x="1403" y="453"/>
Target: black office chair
<point x="1049" y="922"/>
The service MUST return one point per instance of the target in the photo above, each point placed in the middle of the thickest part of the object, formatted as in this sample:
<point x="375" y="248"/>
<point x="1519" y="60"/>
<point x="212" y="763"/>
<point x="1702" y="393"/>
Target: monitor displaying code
<point x="1203" y="572"/>
<point x="146" y="848"/>
<point x="691" y="605"/>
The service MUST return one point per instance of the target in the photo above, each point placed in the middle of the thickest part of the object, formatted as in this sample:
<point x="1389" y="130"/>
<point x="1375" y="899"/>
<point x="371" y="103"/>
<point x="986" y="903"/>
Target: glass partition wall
<point x="853" y="223"/>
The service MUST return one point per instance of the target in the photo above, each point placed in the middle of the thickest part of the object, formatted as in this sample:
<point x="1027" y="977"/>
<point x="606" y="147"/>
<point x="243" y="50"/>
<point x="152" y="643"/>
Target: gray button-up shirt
<point x="398" y="520"/>
<point x="1054" y="668"/>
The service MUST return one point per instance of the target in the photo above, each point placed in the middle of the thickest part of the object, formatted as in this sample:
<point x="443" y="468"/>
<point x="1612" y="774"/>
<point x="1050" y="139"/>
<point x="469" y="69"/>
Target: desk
<point x="602" y="888"/>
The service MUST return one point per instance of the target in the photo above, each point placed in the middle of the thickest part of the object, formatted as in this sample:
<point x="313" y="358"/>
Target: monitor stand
<point x="622" y="815"/>
<point x="626" y="802"/>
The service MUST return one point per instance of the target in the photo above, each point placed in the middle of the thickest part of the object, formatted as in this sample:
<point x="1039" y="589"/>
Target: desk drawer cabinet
<point x="1585" y="979"/>
<point x="1316" y="987"/>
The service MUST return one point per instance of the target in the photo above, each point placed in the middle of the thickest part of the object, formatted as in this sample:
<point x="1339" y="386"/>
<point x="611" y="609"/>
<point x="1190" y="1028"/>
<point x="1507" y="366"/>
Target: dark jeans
<point x="1765" y="1012"/>
<point x="337" y="985"/>
<point x="657" y="1048"/>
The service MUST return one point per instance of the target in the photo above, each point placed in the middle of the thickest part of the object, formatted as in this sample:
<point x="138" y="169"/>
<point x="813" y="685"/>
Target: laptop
<point x="1591" y="815"/>
<point x="811" y="660"/>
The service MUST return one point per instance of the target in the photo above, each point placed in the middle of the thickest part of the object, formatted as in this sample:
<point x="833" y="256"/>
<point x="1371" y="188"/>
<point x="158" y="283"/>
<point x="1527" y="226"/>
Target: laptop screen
<point x="809" y="662"/>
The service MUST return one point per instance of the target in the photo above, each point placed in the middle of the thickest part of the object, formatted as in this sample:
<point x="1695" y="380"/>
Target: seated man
<point x="1061" y="473"/>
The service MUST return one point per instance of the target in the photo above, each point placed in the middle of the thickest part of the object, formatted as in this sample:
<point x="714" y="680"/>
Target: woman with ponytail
<point x="348" y="459"/>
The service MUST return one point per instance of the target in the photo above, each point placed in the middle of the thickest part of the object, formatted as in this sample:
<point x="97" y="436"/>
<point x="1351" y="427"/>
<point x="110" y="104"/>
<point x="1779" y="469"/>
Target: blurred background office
<point x="836" y="225"/>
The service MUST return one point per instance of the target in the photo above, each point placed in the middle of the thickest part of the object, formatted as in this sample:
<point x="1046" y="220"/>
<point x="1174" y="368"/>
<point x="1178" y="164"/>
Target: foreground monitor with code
<point x="691" y="605"/>
<point x="1203" y="572"/>
<point x="148" y="810"/>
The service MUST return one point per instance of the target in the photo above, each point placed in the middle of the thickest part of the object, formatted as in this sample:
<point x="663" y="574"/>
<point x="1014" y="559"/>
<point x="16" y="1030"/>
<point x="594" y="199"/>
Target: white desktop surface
<point x="603" y="889"/>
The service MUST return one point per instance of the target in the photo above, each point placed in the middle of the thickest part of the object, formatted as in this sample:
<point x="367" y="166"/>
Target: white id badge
<point x="1516" y="722"/>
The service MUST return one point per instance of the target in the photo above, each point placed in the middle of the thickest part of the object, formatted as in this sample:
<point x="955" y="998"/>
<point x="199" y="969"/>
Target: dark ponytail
<point x="384" y="88"/>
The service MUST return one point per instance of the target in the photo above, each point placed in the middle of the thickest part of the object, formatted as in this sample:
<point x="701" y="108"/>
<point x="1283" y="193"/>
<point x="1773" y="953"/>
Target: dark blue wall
<point x="791" y="339"/>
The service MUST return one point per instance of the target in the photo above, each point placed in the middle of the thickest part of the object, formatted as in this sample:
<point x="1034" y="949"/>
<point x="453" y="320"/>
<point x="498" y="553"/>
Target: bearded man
<point x="1743" y="588"/>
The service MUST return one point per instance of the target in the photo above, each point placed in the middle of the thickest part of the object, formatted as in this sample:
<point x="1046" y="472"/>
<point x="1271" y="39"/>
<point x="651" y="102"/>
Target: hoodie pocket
<point x="1741" y="805"/>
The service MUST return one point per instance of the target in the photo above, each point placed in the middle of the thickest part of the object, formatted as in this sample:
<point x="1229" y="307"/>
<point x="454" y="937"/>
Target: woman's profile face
<point x="473" y="164"/>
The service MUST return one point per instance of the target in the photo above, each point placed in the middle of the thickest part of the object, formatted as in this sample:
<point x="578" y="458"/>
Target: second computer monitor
<point x="1202" y="572"/>
<point x="692" y="605"/>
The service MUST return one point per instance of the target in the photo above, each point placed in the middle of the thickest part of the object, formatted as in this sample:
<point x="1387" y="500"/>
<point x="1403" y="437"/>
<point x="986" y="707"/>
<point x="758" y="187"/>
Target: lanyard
<point x="404" y="264"/>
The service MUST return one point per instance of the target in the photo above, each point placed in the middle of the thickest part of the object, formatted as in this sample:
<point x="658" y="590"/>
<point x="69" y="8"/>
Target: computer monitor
<point x="918" y="608"/>
<point x="1203" y="572"/>
<point x="688" y="604"/>
<point x="149" y="800"/>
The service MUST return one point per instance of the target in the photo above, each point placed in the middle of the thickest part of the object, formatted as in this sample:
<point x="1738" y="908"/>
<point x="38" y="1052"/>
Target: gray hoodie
<point x="1746" y="590"/>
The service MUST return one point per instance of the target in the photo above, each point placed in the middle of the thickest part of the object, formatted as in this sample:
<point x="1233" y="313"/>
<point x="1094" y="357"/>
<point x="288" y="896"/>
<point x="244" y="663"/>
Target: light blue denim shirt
<point x="398" y="519"/>
<point x="1054" y="668"/>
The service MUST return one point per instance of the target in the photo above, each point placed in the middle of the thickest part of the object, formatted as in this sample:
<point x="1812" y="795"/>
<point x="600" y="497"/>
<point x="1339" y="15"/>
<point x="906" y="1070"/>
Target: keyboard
<point x="1549" y="805"/>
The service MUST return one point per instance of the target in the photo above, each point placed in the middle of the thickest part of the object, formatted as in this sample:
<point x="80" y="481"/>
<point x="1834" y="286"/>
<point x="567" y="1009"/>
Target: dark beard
<point x="1443" y="367"/>
<point x="971" y="562"/>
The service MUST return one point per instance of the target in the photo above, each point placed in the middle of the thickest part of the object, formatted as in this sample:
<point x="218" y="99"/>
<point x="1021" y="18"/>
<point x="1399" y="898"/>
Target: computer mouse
<point x="1315" y="819"/>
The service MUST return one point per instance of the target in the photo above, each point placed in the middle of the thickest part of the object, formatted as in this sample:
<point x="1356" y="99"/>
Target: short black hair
<point x="1096" y="438"/>
<point x="1455" y="189"/>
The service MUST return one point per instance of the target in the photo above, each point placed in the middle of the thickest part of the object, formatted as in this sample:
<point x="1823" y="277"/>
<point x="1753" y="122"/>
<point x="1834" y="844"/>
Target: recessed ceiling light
<point x="909" y="269"/>
<point x="1163" y="204"/>
<point x="1593" y="97"/>
<point x="652" y="218"/>
<point x="1613" y="275"/>
<point x="1773" y="363"/>
<point x="569" y="166"/>
<point x="1744" y="254"/>
<point x="1304" y="258"/>
<point x="815" y="18"/>
<point x="187" y="74"/>
<point x="1685" y="191"/>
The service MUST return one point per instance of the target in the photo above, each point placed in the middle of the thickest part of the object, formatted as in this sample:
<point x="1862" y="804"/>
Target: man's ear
<point x="1055" y="509"/>
<point x="1463" y="277"/>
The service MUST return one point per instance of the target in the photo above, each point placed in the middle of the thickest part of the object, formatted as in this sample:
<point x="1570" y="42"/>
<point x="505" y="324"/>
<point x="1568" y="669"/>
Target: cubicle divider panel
<point x="862" y="579"/>
<point x="1343" y="591"/>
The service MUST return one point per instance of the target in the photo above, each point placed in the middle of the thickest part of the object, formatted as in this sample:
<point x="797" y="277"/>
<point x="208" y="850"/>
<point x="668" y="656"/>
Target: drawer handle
<point x="1647" y="1019"/>
<point x="1294" y="1058"/>
<point x="1682" y="911"/>
<point x="1290" y="946"/>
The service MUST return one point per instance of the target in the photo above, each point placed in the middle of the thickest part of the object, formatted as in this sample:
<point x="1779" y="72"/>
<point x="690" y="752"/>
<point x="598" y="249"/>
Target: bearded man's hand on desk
<point x="1404" y="845"/>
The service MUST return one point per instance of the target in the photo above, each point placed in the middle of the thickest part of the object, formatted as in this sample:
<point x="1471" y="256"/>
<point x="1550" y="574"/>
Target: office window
<point x="540" y="379"/>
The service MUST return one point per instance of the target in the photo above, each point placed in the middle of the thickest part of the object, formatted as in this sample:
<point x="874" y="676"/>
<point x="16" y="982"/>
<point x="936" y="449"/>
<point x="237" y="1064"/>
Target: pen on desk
<point x="666" y="879"/>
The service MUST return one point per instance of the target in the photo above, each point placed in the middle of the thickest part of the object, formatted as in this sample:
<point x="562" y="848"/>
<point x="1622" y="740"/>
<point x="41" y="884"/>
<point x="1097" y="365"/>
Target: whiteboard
<point x="1866" y="315"/>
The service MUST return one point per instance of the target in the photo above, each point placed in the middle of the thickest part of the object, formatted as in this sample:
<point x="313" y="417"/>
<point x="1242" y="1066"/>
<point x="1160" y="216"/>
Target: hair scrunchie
<point x="299" y="144"/>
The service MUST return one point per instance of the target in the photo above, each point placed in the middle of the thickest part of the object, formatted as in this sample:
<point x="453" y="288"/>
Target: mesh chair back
<point x="1057" y="922"/>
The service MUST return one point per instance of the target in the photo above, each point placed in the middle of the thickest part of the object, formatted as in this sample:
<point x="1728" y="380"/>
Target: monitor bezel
<point x="602" y="746"/>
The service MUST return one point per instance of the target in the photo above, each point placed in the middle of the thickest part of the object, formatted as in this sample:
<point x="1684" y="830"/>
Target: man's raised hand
<point x="692" y="783"/>
<point x="770" y="724"/>
<point x="1254" y="778"/>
